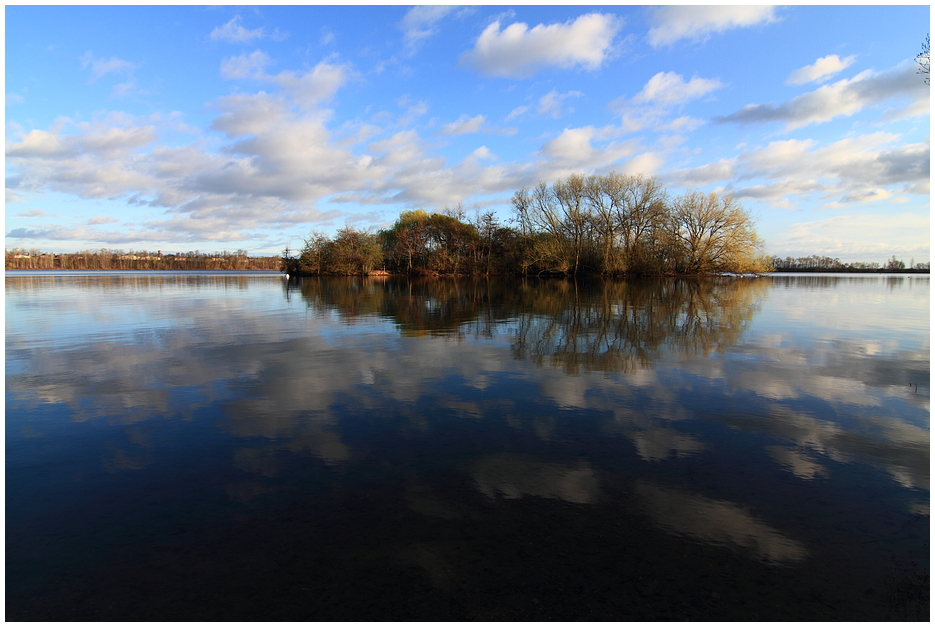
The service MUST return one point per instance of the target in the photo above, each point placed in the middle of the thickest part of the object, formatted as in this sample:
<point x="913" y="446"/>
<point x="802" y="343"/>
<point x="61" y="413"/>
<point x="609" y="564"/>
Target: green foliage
<point x="422" y="243"/>
<point x="351" y="252"/>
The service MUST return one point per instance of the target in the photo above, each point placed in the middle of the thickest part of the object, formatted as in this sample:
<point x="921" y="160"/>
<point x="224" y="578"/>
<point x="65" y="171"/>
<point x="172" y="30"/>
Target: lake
<point x="246" y="447"/>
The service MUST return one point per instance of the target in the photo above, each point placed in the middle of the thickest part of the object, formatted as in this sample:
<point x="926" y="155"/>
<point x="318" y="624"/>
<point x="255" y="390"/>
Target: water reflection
<point x="579" y="326"/>
<point x="279" y="384"/>
<point x="719" y="523"/>
<point x="747" y="416"/>
<point x="798" y="462"/>
<point x="516" y="476"/>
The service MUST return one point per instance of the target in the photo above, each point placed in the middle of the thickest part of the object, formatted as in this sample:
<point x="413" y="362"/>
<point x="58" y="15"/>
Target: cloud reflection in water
<point x="719" y="523"/>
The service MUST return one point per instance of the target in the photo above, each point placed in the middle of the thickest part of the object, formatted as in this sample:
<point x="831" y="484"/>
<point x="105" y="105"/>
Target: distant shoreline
<point x="153" y="271"/>
<point x="378" y="275"/>
<point x="851" y="271"/>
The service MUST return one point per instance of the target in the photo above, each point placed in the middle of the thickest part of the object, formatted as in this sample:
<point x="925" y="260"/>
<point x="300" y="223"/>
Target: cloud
<point x="124" y="90"/>
<point x="820" y="70"/>
<point x="245" y="65"/>
<point x="651" y="107"/>
<point x="518" y="51"/>
<point x="243" y="114"/>
<point x="36" y="143"/>
<point x="586" y="149"/>
<point x="865" y="161"/>
<point x="669" y="88"/>
<point x="698" y="22"/>
<point x="309" y="89"/>
<point x="463" y="125"/>
<point x="233" y="32"/>
<point x="707" y="174"/>
<point x="550" y="105"/>
<point x="682" y="123"/>
<point x="100" y="67"/>
<point x="858" y="236"/>
<point x="32" y="213"/>
<point x="867" y="195"/>
<point x="110" y="137"/>
<point x="316" y="85"/>
<point x="518" y="111"/>
<point x="573" y="144"/>
<point x="483" y="153"/>
<point x="420" y="23"/>
<point x="843" y="98"/>
<point x="861" y="169"/>
<point x="12" y="99"/>
<point x="101" y="220"/>
<point x="58" y="233"/>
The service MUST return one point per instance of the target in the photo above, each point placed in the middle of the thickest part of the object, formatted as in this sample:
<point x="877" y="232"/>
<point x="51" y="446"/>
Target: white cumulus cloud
<point x="519" y="51"/>
<point x="653" y="105"/>
<point x="669" y="88"/>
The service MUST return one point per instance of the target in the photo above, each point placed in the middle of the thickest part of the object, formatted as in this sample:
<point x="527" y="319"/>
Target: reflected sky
<point x="745" y="416"/>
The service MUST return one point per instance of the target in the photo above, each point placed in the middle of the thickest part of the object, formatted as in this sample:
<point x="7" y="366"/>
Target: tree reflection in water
<point x="579" y="326"/>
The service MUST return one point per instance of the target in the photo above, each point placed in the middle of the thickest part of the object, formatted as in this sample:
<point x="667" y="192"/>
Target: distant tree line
<point x="816" y="263"/>
<point x="608" y="225"/>
<point x="105" y="259"/>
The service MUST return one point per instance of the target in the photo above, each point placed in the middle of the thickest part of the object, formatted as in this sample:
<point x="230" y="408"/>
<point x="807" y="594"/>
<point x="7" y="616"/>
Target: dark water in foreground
<point x="245" y="448"/>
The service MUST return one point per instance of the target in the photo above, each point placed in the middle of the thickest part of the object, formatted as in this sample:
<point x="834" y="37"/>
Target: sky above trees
<point x="183" y="127"/>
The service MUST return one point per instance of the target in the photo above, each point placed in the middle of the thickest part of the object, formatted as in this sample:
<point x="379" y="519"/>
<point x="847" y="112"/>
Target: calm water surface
<point x="226" y="447"/>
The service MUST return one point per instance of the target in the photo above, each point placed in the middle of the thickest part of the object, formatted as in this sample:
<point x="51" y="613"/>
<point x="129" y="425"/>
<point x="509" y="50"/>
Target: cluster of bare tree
<point x="610" y="225"/>
<point x="816" y="263"/>
<point x="622" y="223"/>
<point x="105" y="259"/>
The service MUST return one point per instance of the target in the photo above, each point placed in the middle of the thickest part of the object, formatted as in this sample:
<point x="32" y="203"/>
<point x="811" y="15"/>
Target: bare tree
<point x="602" y="196"/>
<point x="924" y="59"/>
<point x="541" y="216"/>
<point x="626" y="211"/>
<point x="576" y="217"/>
<point x="640" y="204"/>
<point x="712" y="233"/>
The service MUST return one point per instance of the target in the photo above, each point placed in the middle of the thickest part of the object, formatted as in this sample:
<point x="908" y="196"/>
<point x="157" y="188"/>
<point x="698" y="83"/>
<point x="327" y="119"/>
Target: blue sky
<point x="247" y="127"/>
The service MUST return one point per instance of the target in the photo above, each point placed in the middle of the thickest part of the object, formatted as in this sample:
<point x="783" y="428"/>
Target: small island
<point x="608" y="225"/>
<point x="611" y="225"/>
